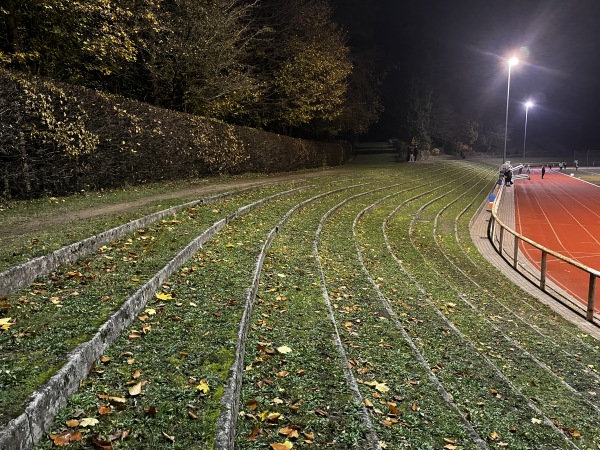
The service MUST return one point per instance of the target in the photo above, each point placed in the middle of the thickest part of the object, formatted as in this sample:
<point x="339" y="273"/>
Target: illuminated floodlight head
<point x="513" y="61"/>
<point x="529" y="104"/>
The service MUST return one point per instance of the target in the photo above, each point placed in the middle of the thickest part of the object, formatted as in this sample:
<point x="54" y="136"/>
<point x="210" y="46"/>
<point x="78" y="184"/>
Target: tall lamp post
<point x="528" y="104"/>
<point x="511" y="62"/>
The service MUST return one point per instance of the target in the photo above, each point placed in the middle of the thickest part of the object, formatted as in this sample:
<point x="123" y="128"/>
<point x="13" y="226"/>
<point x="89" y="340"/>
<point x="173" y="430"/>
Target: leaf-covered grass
<point x="49" y="313"/>
<point x="37" y="227"/>
<point x="376" y="325"/>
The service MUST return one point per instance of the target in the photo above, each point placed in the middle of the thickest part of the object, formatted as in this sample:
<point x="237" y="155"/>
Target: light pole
<point x="528" y="104"/>
<point x="511" y="62"/>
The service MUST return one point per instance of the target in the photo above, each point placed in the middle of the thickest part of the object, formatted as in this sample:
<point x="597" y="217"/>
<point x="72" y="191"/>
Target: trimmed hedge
<point x="57" y="139"/>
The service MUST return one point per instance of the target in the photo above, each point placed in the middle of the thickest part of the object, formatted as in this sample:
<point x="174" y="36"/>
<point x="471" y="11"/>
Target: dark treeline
<point x="279" y="65"/>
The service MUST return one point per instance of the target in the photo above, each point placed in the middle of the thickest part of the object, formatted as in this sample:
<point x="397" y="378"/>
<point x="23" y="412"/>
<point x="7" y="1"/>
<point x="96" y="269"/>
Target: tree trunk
<point x="12" y="34"/>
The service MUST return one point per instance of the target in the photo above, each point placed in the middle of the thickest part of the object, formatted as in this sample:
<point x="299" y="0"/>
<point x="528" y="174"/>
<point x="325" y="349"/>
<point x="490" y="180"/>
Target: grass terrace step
<point x="376" y="324"/>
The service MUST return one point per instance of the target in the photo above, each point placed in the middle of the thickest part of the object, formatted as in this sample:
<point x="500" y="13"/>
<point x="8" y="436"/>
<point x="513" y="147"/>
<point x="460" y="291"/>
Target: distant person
<point x="543" y="171"/>
<point x="508" y="177"/>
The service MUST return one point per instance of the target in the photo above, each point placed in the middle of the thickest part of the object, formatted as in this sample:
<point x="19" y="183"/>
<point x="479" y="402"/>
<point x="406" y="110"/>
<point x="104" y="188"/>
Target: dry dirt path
<point x="53" y="220"/>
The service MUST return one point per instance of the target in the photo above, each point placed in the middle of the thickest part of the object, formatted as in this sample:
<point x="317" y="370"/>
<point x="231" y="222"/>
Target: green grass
<point x="414" y="343"/>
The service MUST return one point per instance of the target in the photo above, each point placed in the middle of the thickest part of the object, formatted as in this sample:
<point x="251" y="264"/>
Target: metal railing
<point x="497" y="231"/>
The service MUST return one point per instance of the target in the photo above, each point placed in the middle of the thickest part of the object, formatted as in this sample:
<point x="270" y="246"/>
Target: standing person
<point x="543" y="171"/>
<point x="507" y="177"/>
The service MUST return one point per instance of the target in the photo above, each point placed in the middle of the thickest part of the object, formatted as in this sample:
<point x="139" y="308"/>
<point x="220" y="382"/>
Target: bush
<point x="59" y="139"/>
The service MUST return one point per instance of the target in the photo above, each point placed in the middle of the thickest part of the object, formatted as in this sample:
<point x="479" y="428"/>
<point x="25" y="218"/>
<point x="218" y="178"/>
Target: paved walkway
<point x="506" y="212"/>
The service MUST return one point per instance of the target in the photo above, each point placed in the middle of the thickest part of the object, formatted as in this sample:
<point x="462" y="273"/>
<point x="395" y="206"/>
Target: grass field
<point x="352" y="311"/>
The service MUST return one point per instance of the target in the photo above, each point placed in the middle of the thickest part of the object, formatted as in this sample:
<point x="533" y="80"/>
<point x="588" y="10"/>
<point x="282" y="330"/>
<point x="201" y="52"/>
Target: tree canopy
<point x="280" y="65"/>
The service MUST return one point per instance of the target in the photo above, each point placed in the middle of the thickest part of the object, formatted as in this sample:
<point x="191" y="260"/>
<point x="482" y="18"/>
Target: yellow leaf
<point x="287" y="445"/>
<point x="284" y="349"/>
<point x="88" y="422"/>
<point x="72" y="423"/>
<point x="203" y="386"/>
<point x="163" y="296"/>
<point x="535" y="421"/>
<point x="150" y="311"/>
<point x="134" y="334"/>
<point x="136" y="389"/>
<point x="6" y="323"/>
<point x="494" y="436"/>
<point x="274" y="417"/>
<point x="381" y="387"/>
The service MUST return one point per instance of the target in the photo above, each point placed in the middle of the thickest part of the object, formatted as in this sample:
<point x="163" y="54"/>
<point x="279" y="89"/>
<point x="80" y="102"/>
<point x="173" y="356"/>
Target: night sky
<point x="461" y="48"/>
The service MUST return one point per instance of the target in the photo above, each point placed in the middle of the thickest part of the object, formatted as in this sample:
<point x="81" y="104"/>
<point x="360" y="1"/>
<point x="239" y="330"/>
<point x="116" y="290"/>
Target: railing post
<point x="543" y="271"/>
<point x="516" y="252"/>
<point x="591" y="295"/>
<point x="500" y="240"/>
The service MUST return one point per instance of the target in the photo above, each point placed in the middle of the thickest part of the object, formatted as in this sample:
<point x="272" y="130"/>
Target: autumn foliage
<point x="58" y="138"/>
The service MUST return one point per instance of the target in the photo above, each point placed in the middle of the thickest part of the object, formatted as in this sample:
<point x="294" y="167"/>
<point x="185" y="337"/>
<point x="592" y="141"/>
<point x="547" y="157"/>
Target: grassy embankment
<point x="376" y="323"/>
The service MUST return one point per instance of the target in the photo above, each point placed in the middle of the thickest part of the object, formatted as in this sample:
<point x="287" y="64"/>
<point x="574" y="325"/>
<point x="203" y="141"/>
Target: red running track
<point x="562" y="213"/>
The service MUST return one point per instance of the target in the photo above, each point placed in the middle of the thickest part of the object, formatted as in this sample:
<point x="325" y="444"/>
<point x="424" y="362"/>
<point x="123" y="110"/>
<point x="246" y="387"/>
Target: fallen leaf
<point x="284" y="349"/>
<point x="283" y="373"/>
<point x="88" y="422"/>
<point x="381" y="387"/>
<point x="72" y="423"/>
<point x="192" y="416"/>
<point x="287" y="445"/>
<point x="253" y="434"/>
<point x="135" y="389"/>
<point x="273" y="417"/>
<point x="309" y="436"/>
<point x="203" y="386"/>
<point x="104" y="409"/>
<point x="134" y="334"/>
<point x="535" y="421"/>
<point x="393" y="408"/>
<point x="163" y="296"/>
<point x="494" y="436"/>
<point x="63" y="439"/>
<point x="252" y="404"/>
<point x="6" y="323"/>
<point x="169" y="438"/>
<point x="117" y="400"/>
<point x="136" y="374"/>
